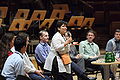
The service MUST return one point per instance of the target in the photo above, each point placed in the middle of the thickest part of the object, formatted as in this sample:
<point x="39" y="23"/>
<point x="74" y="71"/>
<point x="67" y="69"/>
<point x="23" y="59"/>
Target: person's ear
<point x="58" y="29"/>
<point x="40" y="37"/>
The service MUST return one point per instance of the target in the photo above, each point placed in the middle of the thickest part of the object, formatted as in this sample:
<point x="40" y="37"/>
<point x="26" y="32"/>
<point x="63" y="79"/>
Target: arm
<point x="109" y="46"/>
<point x="29" y="67"/>
<point x="40" y="54"/>
<point x="60" y="44"/>
<point x="82" y="50"/>
<point x="98" y="52"/>
<point x="73" y="52"/>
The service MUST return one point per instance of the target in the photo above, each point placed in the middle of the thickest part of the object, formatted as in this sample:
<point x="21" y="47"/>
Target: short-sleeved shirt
<point x="13" y="66"/>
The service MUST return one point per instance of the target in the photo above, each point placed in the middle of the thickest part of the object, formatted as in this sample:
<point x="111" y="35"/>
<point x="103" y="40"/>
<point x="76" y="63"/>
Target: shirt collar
<point x="116" y="40"/>
<point x="43" y="44"/>
<point x="19" y="54"/>
<point x="92" y="43"/>
<point x="13" y="49"/>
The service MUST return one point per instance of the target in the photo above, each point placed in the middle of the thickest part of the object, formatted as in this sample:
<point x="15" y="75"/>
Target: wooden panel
<point x="114" y="25"/>
<point x="114" y="16"/>
<point x="99" y="17"/>
<point x="22" y="14"/>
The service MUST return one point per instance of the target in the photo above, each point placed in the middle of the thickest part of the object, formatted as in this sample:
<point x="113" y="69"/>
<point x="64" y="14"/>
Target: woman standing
<point x="59" y="46"/>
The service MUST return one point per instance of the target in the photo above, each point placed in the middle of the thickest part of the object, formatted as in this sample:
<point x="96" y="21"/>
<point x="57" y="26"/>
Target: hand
<point x="78" y="56"/>
<point x="118" y="59"/>
<point x="68" y="41"/>
<point x="39" y="72"/>
<point x="92" y="56"/>
<point x="75" y="43"/>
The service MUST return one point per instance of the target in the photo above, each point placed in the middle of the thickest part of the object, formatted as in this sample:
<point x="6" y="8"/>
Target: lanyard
<point x="91" y="47"/>
<point x="19" y="54"/>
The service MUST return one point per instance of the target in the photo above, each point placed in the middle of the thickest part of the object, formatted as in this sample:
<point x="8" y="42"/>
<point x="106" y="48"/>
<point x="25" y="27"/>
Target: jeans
<point x="78" y="71"/>
<point x="96" y="67"/>
<point x="34" y="76"/>
<point x="80" y="62"/>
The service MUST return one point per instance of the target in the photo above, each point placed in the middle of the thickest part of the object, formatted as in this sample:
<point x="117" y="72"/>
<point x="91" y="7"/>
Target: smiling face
<point x="90" y="37"/>
<point x="44" y="37"/>
<point x="62" y="29"/>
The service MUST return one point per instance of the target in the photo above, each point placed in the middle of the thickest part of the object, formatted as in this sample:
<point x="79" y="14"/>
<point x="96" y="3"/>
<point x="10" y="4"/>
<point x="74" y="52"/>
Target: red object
<point x="10" y="53"/>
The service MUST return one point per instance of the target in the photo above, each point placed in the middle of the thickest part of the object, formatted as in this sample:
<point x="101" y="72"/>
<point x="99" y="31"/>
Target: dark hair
<point x="117" y="30"/>
<point x="7" y="38"/>
<point x="5" y="47"/>
<point x="69" y="34"/>
<point x="60" y="23"/>
<point x="41" y="32"/>
<point x="20" y="41"/>
<point x="92" y="31"/>
<point x="24" y="35"/>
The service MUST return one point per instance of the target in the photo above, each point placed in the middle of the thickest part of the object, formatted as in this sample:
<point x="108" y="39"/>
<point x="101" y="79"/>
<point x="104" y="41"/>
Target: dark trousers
<point x="96" y="67"/>
<point x="80" y="62"/>
<point x="57" y="75"/>
<point x="78" y="71"/>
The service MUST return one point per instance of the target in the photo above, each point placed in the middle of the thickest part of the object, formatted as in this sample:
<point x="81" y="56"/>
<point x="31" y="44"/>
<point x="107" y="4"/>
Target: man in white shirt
<point x="14" y="64"/>
<point x="33" y="73"/>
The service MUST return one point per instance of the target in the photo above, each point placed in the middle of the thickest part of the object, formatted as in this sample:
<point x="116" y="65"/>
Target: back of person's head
<point x="24" y="35"/>
<point x="60" y="23"/>
<point x="7" y="38"/>
<point x="20" y="42"/>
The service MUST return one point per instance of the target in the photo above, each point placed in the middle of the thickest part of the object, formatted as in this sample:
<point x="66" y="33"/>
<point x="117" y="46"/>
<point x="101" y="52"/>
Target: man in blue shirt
<point x="113" y="45"/>
<point x="42" y="49"/>
<point x="14" y="64"/>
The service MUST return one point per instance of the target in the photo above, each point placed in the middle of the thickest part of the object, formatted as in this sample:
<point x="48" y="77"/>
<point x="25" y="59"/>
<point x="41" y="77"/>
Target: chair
<point x="90" y="71"/>
<point x="33" y="60"/>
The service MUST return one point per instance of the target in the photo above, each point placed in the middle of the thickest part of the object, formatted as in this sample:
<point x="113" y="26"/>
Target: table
<point x="106" y="66"/>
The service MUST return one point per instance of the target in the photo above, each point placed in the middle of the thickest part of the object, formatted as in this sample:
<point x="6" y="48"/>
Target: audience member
<point x="113" y="45"/>
<point x="42" y="49"/>
<point x="5" y="45"/>
<point x="74" y="54"/>
<point x="33" y="73"/>
<point x="14" y="64"/>
<point x="90" y="51"/>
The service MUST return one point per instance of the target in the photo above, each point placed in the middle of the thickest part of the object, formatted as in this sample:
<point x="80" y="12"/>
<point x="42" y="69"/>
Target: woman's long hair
<point x="5" y="47"/>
